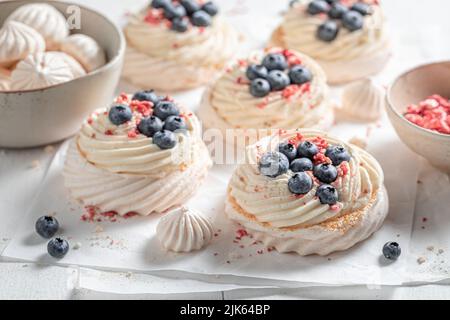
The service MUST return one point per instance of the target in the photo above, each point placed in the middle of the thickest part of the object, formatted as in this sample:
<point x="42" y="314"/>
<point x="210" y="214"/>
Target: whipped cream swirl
<point x="115" y="168"/>
<point x="298" y="31"/>
<point x="269" y="202"/>
<point x="230" y="100"/>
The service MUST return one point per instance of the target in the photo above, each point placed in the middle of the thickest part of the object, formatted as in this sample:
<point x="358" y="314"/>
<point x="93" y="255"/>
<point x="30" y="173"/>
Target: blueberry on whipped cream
<point x="300" y="183"/>
<point x="301" y="165"/>
<point x="310" y="163"/>
<point x="165" y="139"/>
<point x="47" y="226"/>
<point x="340" y="14"/>
<point x="278" y="71"/>
<point x="165" y="109"/>
<point x="120" y="114"/>
<point x="325" y="172"/>
<point x="58" y="248"/>
<point x="150" y="125"/>
<point x="307" y="149"/>
<point x="180" y="15"/>
<point x="337" y="154"/>
<point x="273" y="164"/>
<point x="327" y="194"/>
<point x="174" y="123"/>
<point x="146" y="95"/>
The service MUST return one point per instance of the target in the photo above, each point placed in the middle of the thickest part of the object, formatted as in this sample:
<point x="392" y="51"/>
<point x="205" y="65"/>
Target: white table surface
<point x="30" y="281"/>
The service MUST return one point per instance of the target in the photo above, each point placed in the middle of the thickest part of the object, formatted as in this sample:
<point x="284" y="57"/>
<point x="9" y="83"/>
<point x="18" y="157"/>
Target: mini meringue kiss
<point x="184" y="230"/>
<point x="17" y="42"/>
<point x="40" y="71"/>
<point x="86" y="50"/>
<point x="45" y="19"/>
<point x="364" y="100"/>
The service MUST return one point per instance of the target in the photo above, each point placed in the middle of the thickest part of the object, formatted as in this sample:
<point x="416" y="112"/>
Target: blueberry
<point x="160" y="4"/>
<point x="300" y="75"/>
<point x="146" y="95"/>
<point x="165" y="139"/>
<point x="210" y="8"/>
<point x="278" y="80"/>
<point x="325" y="172"/>
<point x="47" y="227"/>
<point x="58" y="248"/>
<point x="174" y="123"/>
<point x="275" y="61"/>
<point x="201" y="19"/>
<point x="362" y="8"/>
<point x="165" y="109"/>
<point x="191" y="6"/>
<point x="260" y="88"/>
<point x="273" y="164"/>
<point x="332" y="1"/>
<point x="119" y="114"/>
<point x="293" y="3"/>
<point x="318" y="6"/>
<point x="328" y="31"/>
<point x="300" y="183"/>
<point x="353" y="20"/>
<point x="255" y="71"/>
<point x="288" y="150"/>
<point x="392" y="250"/>
<point x="301" y="165"/>
<point x="337" y="11"/>
<point x="307" y="149"/>
<point x="327" y="194"/>
<point x="149" y="126"/>
<point x="174" y="11"/>
<point x="337" y="154"/>
<point x="180" y="24"/>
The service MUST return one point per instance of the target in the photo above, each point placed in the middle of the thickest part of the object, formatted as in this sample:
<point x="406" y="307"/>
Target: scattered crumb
<point x="24" y="266"/>
<point x="440" y="251"/>
<point x="128" y="274"/>
<point x="49" y="149"/>
<point x="419" y="181"/>
<point x="430" y="248"/>
<point x="98" y="229"/>
<point x="35" y="164"/>
<point x="421" y="260"/>
<point x="77" y="246"/>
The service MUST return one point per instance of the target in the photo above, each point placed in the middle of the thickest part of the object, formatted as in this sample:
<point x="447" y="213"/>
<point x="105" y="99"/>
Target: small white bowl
<point x="38" y="117"/>
<point x="412" y="87"/>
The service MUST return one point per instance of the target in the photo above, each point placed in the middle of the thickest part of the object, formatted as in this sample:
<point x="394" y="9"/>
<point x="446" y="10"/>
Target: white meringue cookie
<point x="86" y="50"/>
<point x="75" y="66"/>
<point x="184" y="230"/>
<point x="364" y="100"/>
<point x="5" y="79"/>
<point x="17" y="42"/>
<point x="45" y="19"/>
<point x="41" y="70"/>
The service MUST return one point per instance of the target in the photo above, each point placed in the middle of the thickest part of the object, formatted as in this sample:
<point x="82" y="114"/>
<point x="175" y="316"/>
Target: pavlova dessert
<point x="347" y="37"/>
<point x="273" y="89"/>
<point x="143" y="154"/>
<point x="308" y="192"/>
<point x="38" y="51"/>
<point x="177" y="45"/>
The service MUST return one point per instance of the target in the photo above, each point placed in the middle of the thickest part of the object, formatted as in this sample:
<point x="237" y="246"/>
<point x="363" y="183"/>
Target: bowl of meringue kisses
<point x="58" y="63"/>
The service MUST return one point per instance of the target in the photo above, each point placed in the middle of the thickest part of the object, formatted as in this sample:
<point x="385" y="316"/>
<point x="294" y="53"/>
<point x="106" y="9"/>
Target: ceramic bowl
<point x="412" y="87"/>
<point x="38" y="117"/>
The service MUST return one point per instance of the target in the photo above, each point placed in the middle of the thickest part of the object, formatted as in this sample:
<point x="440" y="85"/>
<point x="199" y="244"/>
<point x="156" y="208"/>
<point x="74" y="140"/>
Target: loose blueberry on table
<point x="47" y="226"/>
<point x="339" y="14"/>
<point x="392" y="250"/>
<point x="182" y="14"/>
<point x="276" y="72"/>
<point x="305" y="159"/>
<point x="58" y="248"/>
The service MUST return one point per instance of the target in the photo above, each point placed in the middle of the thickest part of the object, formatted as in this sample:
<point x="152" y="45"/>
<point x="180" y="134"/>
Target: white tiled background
<point x="421" y="30"/>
